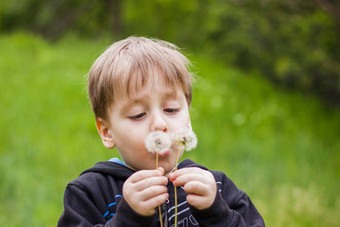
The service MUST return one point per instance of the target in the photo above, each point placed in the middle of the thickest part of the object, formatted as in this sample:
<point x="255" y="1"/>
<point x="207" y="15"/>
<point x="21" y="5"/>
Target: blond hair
<point x="127" y="66"/>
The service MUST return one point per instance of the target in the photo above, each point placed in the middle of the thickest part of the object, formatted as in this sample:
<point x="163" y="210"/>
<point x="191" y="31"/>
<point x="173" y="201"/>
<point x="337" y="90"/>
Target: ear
<point x="105" y="133"/>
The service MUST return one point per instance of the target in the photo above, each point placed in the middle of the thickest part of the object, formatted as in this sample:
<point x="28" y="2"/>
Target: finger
<point x="152" y="191"/>
<point x="155" y="201"/>
<point x="177" y="173"/>
<point x="196" y="187"/>
<point x="199" y="202"/>
<point x="148" y="182"/>
<point x="183" y="179"/>
<point x="143" y="174"/>
<point x="148" y="207"/>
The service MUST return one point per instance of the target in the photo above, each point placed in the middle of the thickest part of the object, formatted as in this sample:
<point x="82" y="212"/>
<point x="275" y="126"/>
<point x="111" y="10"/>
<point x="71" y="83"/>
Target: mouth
<point x="164" y="154"/>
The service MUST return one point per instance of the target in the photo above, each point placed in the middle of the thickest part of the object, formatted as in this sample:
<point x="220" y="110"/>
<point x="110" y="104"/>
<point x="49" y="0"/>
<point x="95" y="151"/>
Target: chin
<point x="168" y="169"/>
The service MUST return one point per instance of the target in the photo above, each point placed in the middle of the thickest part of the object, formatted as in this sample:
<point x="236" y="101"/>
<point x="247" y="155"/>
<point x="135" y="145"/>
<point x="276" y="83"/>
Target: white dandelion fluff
<point x="186" y="137"/>
<point x="158" y="142"/>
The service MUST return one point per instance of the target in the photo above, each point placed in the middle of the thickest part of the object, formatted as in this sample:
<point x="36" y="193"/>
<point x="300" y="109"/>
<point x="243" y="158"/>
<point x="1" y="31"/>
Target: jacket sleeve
<point x="231" y="207"/>
<point x="81" y="210"/>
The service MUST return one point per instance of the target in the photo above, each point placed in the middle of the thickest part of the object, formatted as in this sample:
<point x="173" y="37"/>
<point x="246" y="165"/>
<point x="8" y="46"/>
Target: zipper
<point x="164" y="214"/>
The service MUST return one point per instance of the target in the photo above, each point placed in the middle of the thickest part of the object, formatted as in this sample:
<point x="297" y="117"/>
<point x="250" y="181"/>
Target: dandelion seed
<point x="158" y="142"/>
<point x="187" y="138"/>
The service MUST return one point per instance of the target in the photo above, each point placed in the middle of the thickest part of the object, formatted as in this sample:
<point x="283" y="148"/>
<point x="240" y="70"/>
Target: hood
<point x="118" y="170"/>
<point x="113" y="169"/>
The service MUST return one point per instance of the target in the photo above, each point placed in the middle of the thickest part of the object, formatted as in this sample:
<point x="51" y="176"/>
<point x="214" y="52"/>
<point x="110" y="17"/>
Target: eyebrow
<point x="170" y="94"/>
<point x="127" y="105"/>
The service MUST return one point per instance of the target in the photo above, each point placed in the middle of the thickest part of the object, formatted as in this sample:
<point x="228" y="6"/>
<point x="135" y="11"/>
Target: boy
<point x="138" y="86"/>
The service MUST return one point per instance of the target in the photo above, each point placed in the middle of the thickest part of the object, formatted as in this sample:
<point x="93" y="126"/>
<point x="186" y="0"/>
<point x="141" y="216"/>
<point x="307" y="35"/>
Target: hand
<point x="199" y="184"/>
<point x="145" y="190"/>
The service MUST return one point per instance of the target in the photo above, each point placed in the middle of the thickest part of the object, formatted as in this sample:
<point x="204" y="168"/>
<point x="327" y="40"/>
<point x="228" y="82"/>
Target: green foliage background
<point x="281" y="148"/>
<point x="296" y="44"/>
<point x="265" y="106"/>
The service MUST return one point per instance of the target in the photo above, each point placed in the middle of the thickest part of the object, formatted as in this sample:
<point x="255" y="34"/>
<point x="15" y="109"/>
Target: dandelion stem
<point x="157" y="161"/>
<point x="159" y="207"/>
<point x="160" y="215"/>
<point x="175" y="188"/>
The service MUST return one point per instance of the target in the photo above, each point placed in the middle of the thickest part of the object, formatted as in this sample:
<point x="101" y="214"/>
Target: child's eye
<point x="138" y="116"/>
<point x="172" y="110"/>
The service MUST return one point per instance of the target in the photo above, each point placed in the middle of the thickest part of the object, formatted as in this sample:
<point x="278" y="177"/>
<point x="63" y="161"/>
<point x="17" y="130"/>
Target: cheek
<point x="185" y="120"/>
<point x="132" y="147"/>
<point x="135" y="139"/>
<point x="127" y="136"/>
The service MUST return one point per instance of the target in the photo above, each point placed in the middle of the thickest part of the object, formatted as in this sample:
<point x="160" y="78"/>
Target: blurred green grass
<point x="281" y="148"/>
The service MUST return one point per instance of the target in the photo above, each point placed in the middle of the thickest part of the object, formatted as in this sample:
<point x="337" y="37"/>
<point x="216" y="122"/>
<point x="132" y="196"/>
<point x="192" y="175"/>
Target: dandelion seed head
<point x="158" y="142"/>
<point x="187" y="138"/>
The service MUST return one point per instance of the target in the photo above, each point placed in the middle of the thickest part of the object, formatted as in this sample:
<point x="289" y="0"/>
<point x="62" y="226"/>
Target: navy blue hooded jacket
<point x="95" y="199"/>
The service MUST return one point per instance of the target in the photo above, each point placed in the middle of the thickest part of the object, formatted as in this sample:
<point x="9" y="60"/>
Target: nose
<point x="158" y="123"/>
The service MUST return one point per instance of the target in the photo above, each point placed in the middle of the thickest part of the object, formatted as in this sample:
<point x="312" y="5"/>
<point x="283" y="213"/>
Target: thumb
<point x="161" y="170"/>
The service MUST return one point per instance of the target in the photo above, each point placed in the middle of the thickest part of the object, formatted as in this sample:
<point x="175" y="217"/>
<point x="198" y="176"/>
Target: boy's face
<point x="155" y="107"/>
